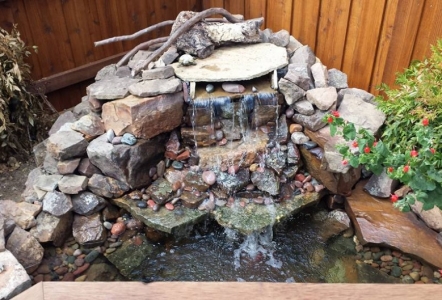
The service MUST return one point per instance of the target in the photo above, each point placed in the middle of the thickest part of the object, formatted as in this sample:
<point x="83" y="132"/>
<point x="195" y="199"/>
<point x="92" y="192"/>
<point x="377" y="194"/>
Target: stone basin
<point x="256" y="217"/>
<point x="175" y="222"/>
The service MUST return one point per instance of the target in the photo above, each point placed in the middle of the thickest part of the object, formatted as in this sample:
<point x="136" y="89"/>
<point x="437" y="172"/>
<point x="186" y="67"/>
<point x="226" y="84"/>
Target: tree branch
<point x="141" y="46"/>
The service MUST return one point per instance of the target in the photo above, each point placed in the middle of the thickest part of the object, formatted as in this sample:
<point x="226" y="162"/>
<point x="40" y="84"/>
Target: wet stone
<point x="160" y="190"/>
<point x="310" y="145"/>
<point x="276" y="161"/>
<point x="177" y="165"/>
<point x="233" y="183"/>
<point x="129" y="139"/>
<point x="210" y="88"/>
<point x="142" y="204"/>
<point x="266" y="181"/>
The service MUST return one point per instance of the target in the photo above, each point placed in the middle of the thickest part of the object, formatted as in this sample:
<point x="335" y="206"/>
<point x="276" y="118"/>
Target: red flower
<point x="433" y="150"/>
<point x="390" y="169"/>
<point x="355" y="144"/>
<point x="394" y="198"/>
<point x="367" y="149"/>
<point x="406" y="168"/>
<point x="330" y="119"/>
<point x="335" y="113"/>
<point x="425" y="122"/>
<point x="375" y="143"/>
<point x="345" y="162"/>
<point x="414" y="153"/>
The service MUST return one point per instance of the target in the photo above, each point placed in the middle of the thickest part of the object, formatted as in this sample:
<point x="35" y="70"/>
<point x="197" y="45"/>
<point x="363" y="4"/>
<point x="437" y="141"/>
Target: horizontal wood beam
<point x="226" y="290"/>
<point x="73" y="76"/>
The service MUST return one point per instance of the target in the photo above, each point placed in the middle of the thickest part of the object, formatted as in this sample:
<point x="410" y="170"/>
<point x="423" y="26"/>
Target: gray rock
<point x="381" y="185"/>
<point x="82" y="108"/>
<point x="293" y="45"/>
<point x="265" y="35"/>
<point x="169" y="56"/>
<point x="106" y="186"/>
<point x="299" y="138"/>
<point x="431" y="217"/>
<point x="68" y="166"/>
<point x="210" y="88"/>
<point x="337" y="78"/>
<point x="364" y="95"/>
<point x="72" y="184"/>
<point x="106" y="72"/>
<point x="361" y="113"/>
<point x="291" y="91"/>
<point x="334" y="223"/>
<point x="303" y="55"/>
<point x="50" y="164"/>
<point x="127" y="163"/>
<point x="22" y="213"/>
<point x="320" y="75"/>
<point x="26" y="249"/>
<point x="13" y="279"/>
<point x="2" y="233"/>
<point x="158" y="73"/>
<point x="140" y="56"/>
<point x="110" y="88"/>
<point x="128" y="139"/>
<point x="231" y="130"/>
<point x="238" y="63"/>
<point x="323" y="98"/>
<point x="48" y="182"/>
<point x="66" y="145"/>
<point x="123" y="71"/>
<point x="66" y="117"/>
<point x="304" y="107"/>
<point x="110" y="135"/>
<point x="161" y="168"/>
<point x="293" y="154"/>
<point x="149" y="88"/>
<point x="88" y="230"/>
<point x="332" y="156"/>
<point x="276" y="161"/>
<point x="280" y="38"/>
<point x="87" y="203"/>
<point x="57" y="203"/>
<point x="266" y="181"/>
<point x="160" y="191"/>
<point x="233" y="183"/>
<point x="52" y="229"/>
<point x="313" y="122"/>
<point x="87" y="169"/>
<point x="39" y="152"/>
<point x="29" y="194"/>
<point x="300" y="74"/>
<point x="89" y="125"/>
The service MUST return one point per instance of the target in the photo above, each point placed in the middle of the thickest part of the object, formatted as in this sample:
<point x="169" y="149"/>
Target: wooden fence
<point x="370" y="40"/>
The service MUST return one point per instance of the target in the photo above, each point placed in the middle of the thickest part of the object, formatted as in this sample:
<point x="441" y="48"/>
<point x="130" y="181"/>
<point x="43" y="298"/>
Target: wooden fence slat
<point x="279" y="14"/>
<point x="255" y="9"/>
<point x="7" y="19"/>
<point x="108" y="24"/>
<point x="332" y="31"/>
<point x="405" y="29"/>
<point x="430" y="29"/>
<point x="305" y="22"/>
<point x="235" y="6"/>
<point x="361" y="44"/>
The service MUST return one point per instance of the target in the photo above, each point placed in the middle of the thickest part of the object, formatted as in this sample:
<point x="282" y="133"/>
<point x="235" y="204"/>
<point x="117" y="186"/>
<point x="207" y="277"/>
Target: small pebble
<point x="141" y="204"/>
<point x="310" y="145"/>
<point x="209" y="177"/>
<point x="222" y="142"/>
<point x="129" y="139"/>
<point x="169" y="206"/>
<point x="152" y="171"/>
<point x="254" y="89"/>
<point x="91" y="256"/>
<point x="79" y="262"/>
<point x="77" y="252"/>
<point x="177" y="165"/>
<point x="110" y="134"/>
<point x="176" y="185"/>
<point x="110" y="250"/>
<point x="219" y="134"/>
<point x="118" y="228"/>
<point x="210" y="88"/>
<point x="115" y="245"/>
<point x="107" y="225"/>
<point x="116" y="140"/>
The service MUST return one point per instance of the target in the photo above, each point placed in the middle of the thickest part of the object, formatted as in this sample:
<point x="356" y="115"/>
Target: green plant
<point x="408" y="147"/>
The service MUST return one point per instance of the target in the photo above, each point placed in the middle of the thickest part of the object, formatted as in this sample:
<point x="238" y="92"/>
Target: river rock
<point x="149" y="88"/>
<point x="158" y="73"/>
<point x="88" y="230"/>
<point x="362" y="114"/>
<point x="68" y="166"/>
<point x="127" y="139"/>
<point x="381" y="185"/>
<point x="364" y="95"/>
<point x="144" y="117"/>
<point x="110" y="88"/>
<point x="300" y="74"/>
<point x="22" y="213"/>
<point x="52" y="229"/>
<point x="13" y="279"/>
<point x="292" y="93"/>
<point x="241" y="62"/>
<point x="304" y="55"/>
<point x="392" y="227"/>
<point x="56" y="203"/>
<point x="313" y="122"/>
<point x="337" y="78"/>
<point x="323" y="98"/>
<point x="25" y="248"/>
<point x="431" y="217"/>
<point x="127" y="164"/>
<point x="266" y="181"/>
<point x="87" y="203"/>
<point x="320" y="75"/>
<point x="72" y="184"/>
<point x="304" y="107"/>
<point x="66" y="117"/>
<point x="87" y="169"/>
<point x="332" y="157"/>
<point x="66" y="145"/>
<point x="233" y="87"/>
<point x="90" y="125"/>
<point x="107" y="186"/>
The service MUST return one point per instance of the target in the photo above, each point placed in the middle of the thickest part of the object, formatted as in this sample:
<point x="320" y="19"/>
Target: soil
<point x="13" y="175"/>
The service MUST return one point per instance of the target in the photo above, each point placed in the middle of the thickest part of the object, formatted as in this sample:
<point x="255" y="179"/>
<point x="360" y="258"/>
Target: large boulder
<point x="25" y="248"/>
<point x="431" y="217"/>
<point x="144" y="117"/>
<point x="13" y="279"/>
<point x="66" y="145"/>
<point x="125" y="163"/>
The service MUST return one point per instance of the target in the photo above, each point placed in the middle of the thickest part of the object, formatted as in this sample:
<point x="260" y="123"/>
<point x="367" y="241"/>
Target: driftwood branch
<point x="184" y="28"/>
<point x="141" y="46"/>
<point x="135" y="35"/>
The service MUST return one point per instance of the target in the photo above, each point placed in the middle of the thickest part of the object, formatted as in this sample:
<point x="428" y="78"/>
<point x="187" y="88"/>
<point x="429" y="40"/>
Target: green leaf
<point x="333" y="129"/>
<point x="419" y="182"/>
<point x="349" y="132"/>
<point x="354" y="161"/>
<point x="436" y="175"/>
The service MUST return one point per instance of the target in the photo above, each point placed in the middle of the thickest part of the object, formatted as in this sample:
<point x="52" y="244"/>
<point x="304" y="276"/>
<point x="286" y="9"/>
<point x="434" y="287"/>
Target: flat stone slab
<point x="234" y="63"/>
<point x="109" y="89"/>
<point x="256" y="217"/>
<point x="174" y="222"/>
<point x="13" y="278"/>
<point x="377" y="222"/>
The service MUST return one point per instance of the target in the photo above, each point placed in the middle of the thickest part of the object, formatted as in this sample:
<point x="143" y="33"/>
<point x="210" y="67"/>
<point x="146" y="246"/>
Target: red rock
<point x="68" y="277"/>
<point x="61" y="271"/>
<point x="169" y="206"/>
<point x="43" y="269"/>
<point x="38" y="278"/>
<point x="233" y="87"/>
<point x="176" y="186"/>
<point x="299" y="177"/>
<point x="151" y="203"/>
<point x="81" y="269"/>
<point x="118" y="228"/>
<point x="183" y="156"/>
<point x="391" y="227"/>
<point x="309" y="187"/>
<point x="222" y="142"/>
<point x="137" y="240"/>
<point x="47" y="277"/>
<point x="209" y="177"/>
<point x="232" y="170"/>
<point x="171" y="155"/>
<point x="386" y="258"/>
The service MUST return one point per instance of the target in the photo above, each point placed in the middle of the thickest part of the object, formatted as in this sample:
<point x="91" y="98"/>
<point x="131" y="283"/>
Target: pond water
<point x="295" y="254"/>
